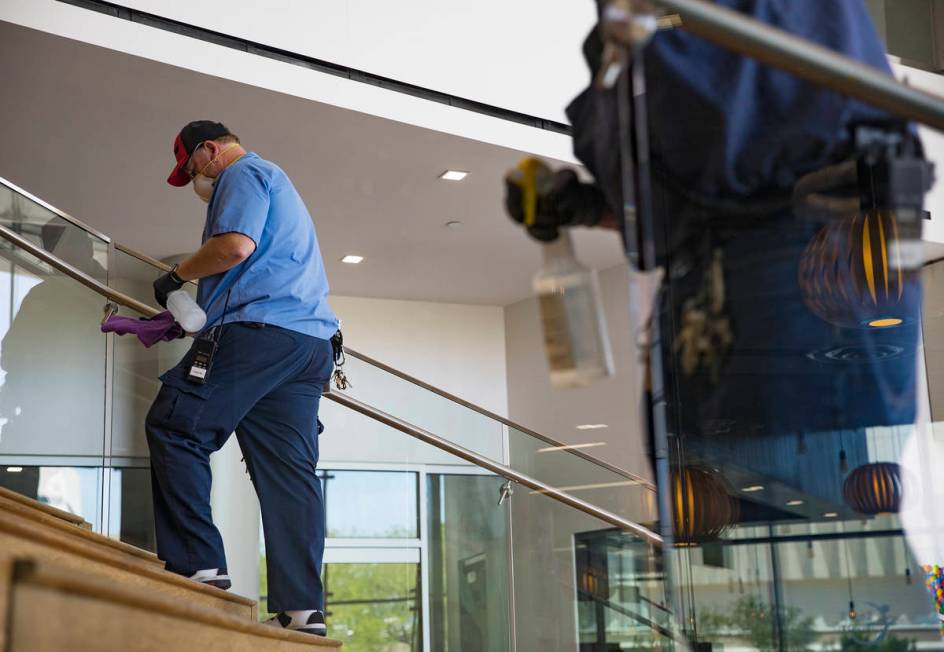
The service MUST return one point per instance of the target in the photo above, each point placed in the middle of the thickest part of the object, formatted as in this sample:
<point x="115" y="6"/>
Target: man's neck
<point x="231" y="156"/>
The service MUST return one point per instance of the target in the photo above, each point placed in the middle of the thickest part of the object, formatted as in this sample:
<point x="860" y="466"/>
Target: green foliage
<point x="752" y="619"/>
<point x="371" y="624"/>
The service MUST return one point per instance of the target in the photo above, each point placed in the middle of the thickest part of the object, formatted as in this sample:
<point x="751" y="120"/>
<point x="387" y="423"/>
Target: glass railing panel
<point x="557" y="465"/>
<point x="52" y="388"/>
<point x="561" y="555"/>
<point x="425" y="409"/>
<point x="136" y="368"/>
<point x="792" y="358"/>
<point x="53" y="233"/>
<point x="52" y="354"/>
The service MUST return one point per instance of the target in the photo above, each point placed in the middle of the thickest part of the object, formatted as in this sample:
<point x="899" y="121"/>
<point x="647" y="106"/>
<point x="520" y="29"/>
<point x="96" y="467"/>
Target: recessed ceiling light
<point x="14" y="469"/>
<point x="592" y="426"/>
<point x="453" y="175"/>
<point x="753" y="488"/>
<point x="550" y="449"/>
<point x="830" y="514"/>
<point x="794" y="503"/>
<point x="352" y="260"/>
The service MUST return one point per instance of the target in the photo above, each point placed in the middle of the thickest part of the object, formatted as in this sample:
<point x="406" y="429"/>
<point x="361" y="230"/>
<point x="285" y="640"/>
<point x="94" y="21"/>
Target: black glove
<point x="558" y="199"/>
<point x="166" y="284"/>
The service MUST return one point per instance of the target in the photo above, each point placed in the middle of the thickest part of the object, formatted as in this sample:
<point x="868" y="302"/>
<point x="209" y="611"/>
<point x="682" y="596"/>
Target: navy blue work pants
<point x="265" y="384"/>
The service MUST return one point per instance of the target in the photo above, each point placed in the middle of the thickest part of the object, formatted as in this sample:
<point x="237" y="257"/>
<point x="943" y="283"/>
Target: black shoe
<point x="214" y="577"/>
<point x="308" y="622"/>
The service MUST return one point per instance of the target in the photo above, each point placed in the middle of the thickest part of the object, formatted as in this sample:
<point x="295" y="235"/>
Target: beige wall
<point x="458" y="348"/>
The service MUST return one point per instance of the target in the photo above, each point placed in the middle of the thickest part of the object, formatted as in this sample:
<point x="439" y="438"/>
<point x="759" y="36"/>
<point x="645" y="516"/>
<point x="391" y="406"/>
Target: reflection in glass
<point x="74" y="489"/>
<point x="53" y="359"/>
<point x="371" y="504"/>
<point x="51" y="232"/>
<point x="620" y="601"/>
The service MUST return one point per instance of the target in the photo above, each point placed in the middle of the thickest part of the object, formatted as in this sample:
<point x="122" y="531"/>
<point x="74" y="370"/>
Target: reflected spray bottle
<point x="576" y="342"/>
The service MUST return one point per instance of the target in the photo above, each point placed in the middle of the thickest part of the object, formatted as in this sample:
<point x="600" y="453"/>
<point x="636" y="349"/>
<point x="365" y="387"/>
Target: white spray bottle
<point x="186" y="311"/>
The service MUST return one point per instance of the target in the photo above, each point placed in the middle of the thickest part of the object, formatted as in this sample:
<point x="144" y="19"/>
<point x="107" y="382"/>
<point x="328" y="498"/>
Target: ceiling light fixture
<point x="830" y="515"/>
<point x="453" y="175"/>
<point x="352" y="260"/>
<point x="568" y="447"/>
<point x="592" y="426"/>
<point x="14" y="469"/>
<point x="754" y="487"/>
<point x="794" y="503"/>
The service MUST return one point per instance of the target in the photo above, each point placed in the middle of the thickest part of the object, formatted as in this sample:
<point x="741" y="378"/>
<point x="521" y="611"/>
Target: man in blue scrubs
<point x="269" y="326"/>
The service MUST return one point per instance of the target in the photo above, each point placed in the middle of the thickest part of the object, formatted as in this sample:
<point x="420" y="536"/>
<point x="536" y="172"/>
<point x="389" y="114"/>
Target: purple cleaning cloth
<point x="161" y="327"/>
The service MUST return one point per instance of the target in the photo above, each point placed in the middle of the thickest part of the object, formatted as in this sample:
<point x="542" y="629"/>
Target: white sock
<point x="299" y="618"/>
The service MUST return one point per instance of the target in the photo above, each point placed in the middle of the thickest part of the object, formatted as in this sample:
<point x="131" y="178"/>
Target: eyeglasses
<point x="188" y="168"/>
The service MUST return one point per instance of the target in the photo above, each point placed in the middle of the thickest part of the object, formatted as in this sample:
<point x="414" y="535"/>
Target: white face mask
<point x="203" y="186"/>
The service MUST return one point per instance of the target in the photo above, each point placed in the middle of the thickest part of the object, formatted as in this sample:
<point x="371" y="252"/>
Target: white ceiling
<point x="90" y="131"/>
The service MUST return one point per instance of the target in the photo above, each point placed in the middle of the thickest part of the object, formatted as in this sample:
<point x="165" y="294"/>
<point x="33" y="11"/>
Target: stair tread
<point x="50" y="576"/>
<point x="33" y="509"/>
<point x="68" y="541"/>
<point x="69" y="517"/>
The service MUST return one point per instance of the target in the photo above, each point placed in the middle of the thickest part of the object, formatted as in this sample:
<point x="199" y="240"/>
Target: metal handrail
<point x="144" y="258"/>
<point x="353" y="404"/>
<point x="49" y="207"/>
<point x="810" y="61"/>
<point x="496" y="468"/>
<point x="629" y="475"/>
<point x="76" y="274"/>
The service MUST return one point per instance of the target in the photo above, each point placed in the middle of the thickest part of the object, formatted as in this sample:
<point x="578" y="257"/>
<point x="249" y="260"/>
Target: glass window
<point x="371" y="504"/>
<point x="131" y="511"/>
<point x="468" y="556"/>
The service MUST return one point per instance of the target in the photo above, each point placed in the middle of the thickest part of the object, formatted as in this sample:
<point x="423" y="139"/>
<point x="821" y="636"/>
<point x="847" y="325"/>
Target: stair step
<point x="69" y="517"/>
<point x="74" y="549"/>
<point x="53" y="518"/>
<point x="56" y="609"/>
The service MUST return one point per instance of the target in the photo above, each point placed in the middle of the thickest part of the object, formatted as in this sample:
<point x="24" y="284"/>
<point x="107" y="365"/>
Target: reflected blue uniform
<point x="274" y="358"/>
<point x="729" y="138"/>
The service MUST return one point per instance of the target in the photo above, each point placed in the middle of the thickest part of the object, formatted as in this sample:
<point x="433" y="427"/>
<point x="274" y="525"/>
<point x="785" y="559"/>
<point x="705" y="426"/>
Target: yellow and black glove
<point x="543" y="200"/>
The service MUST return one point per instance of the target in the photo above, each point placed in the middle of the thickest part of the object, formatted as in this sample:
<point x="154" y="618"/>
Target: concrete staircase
<point x="64" y="587"/>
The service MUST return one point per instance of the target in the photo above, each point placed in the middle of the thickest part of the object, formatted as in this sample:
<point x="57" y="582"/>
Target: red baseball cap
<point x="187" y="141"/>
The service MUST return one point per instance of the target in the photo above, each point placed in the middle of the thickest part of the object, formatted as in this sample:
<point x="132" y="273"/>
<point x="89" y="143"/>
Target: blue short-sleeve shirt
<point x="283" y="282"/>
